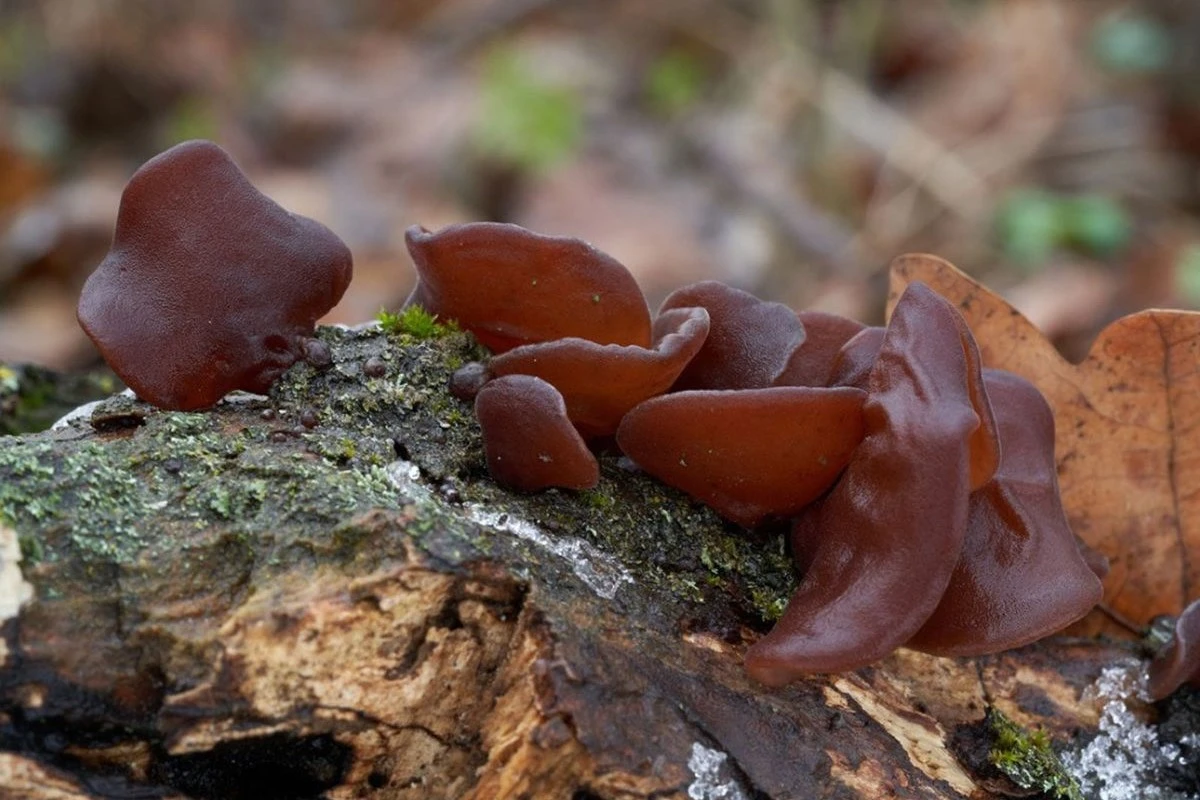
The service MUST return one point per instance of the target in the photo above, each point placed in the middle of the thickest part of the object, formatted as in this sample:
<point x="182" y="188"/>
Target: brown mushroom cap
<point x="529" y="441"/>
<point x="1021" y="575"/>
<point x="812" y="362"/>
<point x="209" y="286"/>
<point x="600" y="383"/>
<point x="1178" y="662"/>
<point x="852" y="367"/>
<point x="749" y="340"/>
<point x="880" y="547"/>
<point x="852" y="364"/>
<point x="511" y="287"/>
<point x="751" y="453"/>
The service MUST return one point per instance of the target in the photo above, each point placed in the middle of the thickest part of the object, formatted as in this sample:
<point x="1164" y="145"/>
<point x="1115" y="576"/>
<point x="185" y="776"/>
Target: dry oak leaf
<point x="1127" y="435"/>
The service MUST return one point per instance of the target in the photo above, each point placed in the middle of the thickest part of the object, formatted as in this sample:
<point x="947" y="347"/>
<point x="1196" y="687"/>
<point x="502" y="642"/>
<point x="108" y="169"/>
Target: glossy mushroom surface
<point x="511" y="287"/>
<point x="1021" y="575"/>
<point x="811" y="363"/>
<point x="749" y="454"/>
<point x="529" y="442"/>
<point x="749" y="340"/>
<point x="853" y="362"/>
<point x="601" y="383"/>
<point x="878" y="551"/>
<point x="210" y="286"/>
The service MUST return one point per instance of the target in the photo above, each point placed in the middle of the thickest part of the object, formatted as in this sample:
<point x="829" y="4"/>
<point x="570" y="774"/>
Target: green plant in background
<point x="1095" y="224"/>
<point x="19" y="41"/>
<point x="1033" y="223"/>
<point x="525" y="120"/>
<point x="674" y="82"/>
<point x="1131" y="44"/>
<point x="1187" y="275"/>
<point x="191" y="118"/>
<point x="1029" y="226"/>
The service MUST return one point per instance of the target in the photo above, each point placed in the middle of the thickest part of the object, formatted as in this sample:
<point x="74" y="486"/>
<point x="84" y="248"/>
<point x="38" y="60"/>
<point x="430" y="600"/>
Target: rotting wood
<point x="227" y="603"/>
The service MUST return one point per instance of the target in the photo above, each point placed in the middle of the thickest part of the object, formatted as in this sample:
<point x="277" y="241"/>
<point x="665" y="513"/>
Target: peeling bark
<point x="228" y="604"/>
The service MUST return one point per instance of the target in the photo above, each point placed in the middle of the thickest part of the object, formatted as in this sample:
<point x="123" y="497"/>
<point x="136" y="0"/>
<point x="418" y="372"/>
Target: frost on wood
<point x="603" y="574"/>
<point x="1125" y="760"/>
<point x="712" y="779"/>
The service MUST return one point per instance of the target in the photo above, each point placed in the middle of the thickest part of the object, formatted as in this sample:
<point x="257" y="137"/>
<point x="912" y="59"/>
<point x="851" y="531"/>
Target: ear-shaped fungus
<point x="510" y="286"/>
<point x="852" y="364"/>
<point x="210" y="286"/>
<point x="1179" y="660"/>
<point x="600" y="383"/>
<point x="529" y="441"/>
<point x="1021" y="575"/>
<point x="749" y="454"/>
<point x="879" y="549"/>
<point x="812" y="362"/>
<point x="749" y="340"/>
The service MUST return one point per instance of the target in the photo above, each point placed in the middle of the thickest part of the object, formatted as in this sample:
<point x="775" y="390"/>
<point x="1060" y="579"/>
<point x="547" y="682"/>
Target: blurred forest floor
<point x="791" y="148"/>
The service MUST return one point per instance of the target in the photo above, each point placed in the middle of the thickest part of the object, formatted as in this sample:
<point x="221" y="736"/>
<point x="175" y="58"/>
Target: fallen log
<point x="321" y="593"/>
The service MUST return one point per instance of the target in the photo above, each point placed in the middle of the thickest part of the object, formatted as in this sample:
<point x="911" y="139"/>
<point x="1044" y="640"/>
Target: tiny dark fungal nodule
<point x="374" y="367"/>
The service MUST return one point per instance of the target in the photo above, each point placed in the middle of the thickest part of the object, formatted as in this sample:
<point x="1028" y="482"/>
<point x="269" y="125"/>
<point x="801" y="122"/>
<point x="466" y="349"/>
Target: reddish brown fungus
<point x="600" y="383"/>
<point x="529" y="441"/>
<point x="812" y="362"/>
<point x="209" y="286"/>
<point x="880" y="548"/>
<point x="985" y="439"/>
<point x="1178" y="662"/>
<point x="749" y="454"/>
<point x="749" y="340"/>
<point x="511" y="287"/>
<point x="852" y="364"/>
<point x="1021" y="575"/>
<point x="467" y="380"/>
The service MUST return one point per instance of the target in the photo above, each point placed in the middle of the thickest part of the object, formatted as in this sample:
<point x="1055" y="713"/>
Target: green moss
<point x="169" y="490"/>
<point x="768" y="604"/>
<point x="416" y="322"/>
<point x="1028" y="759"/>
<point x="597" y="499"/>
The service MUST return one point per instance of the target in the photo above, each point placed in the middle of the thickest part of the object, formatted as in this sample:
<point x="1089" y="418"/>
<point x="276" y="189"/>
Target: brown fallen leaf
<point x="1128" y="434"/>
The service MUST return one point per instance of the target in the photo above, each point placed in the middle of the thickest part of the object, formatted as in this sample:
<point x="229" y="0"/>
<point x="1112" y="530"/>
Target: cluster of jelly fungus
<point x="209" y="286"/>
<point x="920" y="515"/>
<point x="890" y="554"/>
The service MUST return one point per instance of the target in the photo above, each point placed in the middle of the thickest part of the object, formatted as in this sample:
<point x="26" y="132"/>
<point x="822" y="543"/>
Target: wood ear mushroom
<point x="209" y="286"/>
<point x="921" y="514"/>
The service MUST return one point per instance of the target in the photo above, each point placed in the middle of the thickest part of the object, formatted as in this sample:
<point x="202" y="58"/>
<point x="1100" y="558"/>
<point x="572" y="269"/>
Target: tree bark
<point x="242" y="604"/>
